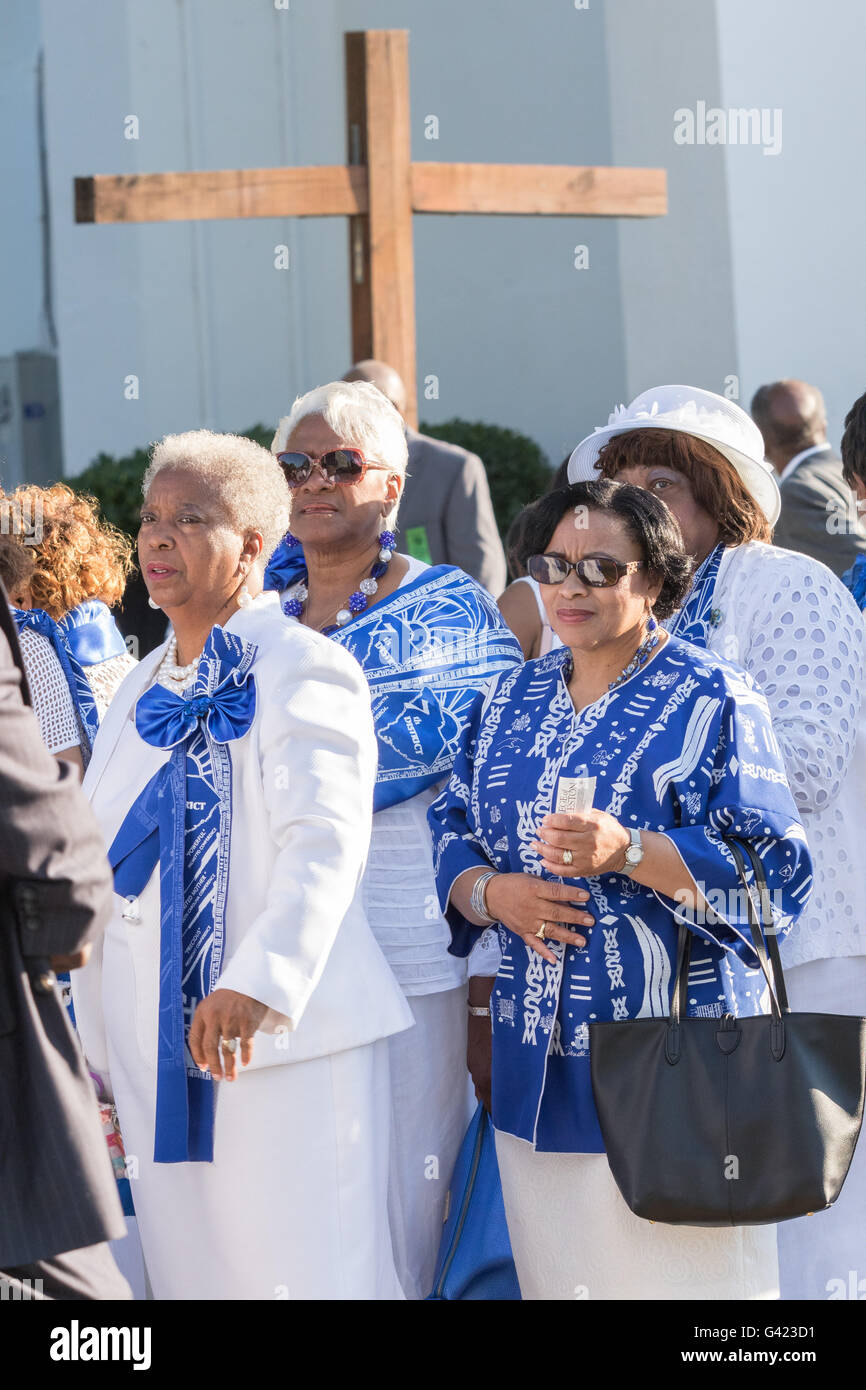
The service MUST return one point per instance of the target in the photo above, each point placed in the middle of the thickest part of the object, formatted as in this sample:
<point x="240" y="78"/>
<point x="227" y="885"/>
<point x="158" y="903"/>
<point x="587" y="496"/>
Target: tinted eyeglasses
<point x="597" y="573"/>
<point x="338" y="466"/>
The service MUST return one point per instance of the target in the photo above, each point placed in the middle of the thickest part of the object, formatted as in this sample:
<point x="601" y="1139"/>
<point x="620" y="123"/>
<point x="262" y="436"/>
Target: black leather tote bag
<point x="730" y="1121"/>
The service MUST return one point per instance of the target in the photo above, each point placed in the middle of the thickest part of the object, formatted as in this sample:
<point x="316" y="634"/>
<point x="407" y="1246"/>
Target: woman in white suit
<point x="233" y="779"/>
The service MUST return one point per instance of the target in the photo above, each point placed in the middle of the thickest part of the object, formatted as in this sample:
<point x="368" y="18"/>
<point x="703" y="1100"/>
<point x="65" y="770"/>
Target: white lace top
<point x="52" y="702"/>
<point x="105" y="679"/>
<point x="795" y="628"/>
<point x="49" y="691"/>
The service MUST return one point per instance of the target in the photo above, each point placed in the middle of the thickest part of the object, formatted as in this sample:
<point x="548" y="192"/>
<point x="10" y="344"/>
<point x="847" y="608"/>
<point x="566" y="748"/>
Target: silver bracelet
<point x="477" y="1012"/>
<point x="477" y="900"/>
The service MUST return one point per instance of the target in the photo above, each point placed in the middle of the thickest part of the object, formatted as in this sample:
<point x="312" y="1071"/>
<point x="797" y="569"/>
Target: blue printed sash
<point x="182" y="820"/>
<point x="427" y="651"/>
<point x="854" y="580"/>
<point x="86" y="636"/>
<point x="697" y="617"/>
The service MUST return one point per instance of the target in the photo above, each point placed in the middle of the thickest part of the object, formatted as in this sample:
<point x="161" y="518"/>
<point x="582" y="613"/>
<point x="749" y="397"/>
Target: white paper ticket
<point x="574" y="794"/>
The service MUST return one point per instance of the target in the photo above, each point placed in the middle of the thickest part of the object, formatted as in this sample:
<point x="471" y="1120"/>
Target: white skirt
<point x="431" y="1106"/>
<point x="294" y="1205"/>
<point x="823" y="1256"/>
<point x="573" y="1237"/>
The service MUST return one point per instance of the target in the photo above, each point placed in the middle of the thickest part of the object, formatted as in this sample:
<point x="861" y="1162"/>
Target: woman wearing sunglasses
<point x="662" y="748"/>
<point x="429" y="639"/>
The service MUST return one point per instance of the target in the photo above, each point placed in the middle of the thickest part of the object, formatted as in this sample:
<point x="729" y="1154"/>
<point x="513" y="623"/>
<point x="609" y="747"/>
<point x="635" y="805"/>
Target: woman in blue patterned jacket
<point x="663" y="749"/>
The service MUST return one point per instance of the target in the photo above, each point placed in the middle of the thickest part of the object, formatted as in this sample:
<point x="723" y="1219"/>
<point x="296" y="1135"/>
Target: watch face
<point x="634" y="854"/>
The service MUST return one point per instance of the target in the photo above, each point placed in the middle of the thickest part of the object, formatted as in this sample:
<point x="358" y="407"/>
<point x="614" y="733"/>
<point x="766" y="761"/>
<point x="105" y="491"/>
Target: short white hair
<point x="359" y="413"/>
<point x="248" y="481"/>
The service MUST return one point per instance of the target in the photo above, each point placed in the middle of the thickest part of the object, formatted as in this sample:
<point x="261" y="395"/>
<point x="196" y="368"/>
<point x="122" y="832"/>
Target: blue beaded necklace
<point x="358" y="601"/>
<point x="640" y="656"/>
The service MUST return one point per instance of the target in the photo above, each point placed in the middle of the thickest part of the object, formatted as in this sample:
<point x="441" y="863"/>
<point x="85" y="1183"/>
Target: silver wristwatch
<point x="633" y="855"/>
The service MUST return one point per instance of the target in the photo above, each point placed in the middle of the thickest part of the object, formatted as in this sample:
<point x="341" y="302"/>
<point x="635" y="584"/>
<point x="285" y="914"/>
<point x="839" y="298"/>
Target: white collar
<point x="798" y="459"/>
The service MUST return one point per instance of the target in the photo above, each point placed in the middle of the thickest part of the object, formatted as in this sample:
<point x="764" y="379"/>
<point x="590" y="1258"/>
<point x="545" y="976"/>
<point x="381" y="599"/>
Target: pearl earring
<point x="151" y="602"/>
<point x="245" y="598"/>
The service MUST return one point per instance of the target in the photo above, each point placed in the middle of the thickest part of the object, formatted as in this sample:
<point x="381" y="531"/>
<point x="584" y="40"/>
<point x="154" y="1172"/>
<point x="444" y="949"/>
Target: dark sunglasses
<point x="599" y="574"/>
<point x="338" y="466"/>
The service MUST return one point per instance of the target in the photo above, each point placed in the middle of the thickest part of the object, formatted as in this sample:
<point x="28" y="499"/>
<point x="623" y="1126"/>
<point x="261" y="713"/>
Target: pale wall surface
<point x="218" y="336"/>
<point x="756" y="272"/>
<point x="798" y="219"/>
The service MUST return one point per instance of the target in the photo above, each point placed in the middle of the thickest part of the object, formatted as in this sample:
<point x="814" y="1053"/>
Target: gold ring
<point x="567" y="856"/>
<point x="541" y="930"/>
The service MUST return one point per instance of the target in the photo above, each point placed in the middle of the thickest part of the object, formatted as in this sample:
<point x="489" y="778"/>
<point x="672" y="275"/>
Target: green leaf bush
<point x="116" y="482"/>
<point x="517" y="469"/>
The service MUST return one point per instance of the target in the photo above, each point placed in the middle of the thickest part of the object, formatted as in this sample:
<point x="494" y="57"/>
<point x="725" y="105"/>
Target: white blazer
<point x="296" y="937"/>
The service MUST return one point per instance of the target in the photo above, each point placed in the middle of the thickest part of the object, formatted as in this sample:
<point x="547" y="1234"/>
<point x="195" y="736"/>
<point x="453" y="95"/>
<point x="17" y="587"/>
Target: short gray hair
<point x="248" y="481"/>
<point x="359" y="413"/>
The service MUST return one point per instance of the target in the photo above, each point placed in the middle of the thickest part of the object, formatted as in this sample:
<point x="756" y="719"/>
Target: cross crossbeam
<point x="379" y="190"/>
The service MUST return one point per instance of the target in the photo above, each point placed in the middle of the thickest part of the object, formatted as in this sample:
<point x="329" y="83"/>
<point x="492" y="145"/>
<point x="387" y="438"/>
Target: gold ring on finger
<point x="541" y="930"/>
<point x="567" y="856"/>
<point x="229" y="1045"/>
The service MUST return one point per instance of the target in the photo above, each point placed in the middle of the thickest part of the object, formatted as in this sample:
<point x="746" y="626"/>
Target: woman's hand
<point x="523" y="903"/>
<point x="597" y="843"/>
<point x="224" y="1014"/>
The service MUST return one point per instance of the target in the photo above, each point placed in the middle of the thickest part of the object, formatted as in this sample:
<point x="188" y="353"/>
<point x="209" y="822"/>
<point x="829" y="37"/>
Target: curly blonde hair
<point x="77" y="555"/>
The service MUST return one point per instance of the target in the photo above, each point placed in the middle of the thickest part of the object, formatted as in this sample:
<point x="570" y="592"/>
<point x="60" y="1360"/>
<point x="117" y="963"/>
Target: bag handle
<point x="766" y="942"/>
<point x="778" y="991"/>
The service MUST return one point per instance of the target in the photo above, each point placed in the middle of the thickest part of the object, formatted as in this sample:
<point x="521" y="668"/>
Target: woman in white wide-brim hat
<point x="794" y="627"/>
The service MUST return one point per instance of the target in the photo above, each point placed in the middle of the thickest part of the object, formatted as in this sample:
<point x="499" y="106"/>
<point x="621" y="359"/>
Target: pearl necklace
<point x="172" y="676"/>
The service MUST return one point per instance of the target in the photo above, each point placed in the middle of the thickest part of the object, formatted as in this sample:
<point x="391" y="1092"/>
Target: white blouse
<point x="49" y="692"/>
<point x="399" y="892"/>
<point x="549" y="639"/>
<point x="795" y="628"/>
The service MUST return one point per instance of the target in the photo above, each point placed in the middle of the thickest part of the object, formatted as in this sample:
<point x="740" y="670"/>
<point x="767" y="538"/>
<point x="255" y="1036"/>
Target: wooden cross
<point x="378" y="190"/>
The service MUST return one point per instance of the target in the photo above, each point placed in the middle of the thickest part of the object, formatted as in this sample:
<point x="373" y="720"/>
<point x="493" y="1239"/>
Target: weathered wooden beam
<point x="566" y="190"/>
<point x="318" y="191"/>
<point x="377" y="74"/>
<point x="359" y="231"/>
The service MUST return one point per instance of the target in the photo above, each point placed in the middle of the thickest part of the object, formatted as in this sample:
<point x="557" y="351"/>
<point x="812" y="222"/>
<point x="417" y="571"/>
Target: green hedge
<point x="517" y="470"/>
<point x="116" y="482"/>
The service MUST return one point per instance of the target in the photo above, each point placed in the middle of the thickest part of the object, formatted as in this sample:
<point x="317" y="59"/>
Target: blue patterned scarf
<point x="854" y="580"/>
<point x="287" y="564"/>
<point x="427" y="651"/>
<point x="182" y="820"/>
<point x="696" y="619"/>
<point x="86" y="636"/>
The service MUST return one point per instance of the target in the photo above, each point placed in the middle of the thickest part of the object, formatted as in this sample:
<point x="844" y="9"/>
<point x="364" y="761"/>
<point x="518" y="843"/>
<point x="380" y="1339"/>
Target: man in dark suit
<point x="58" y="1197"/>
<point x="446" y="516"/>
<point x="818" y="515"/>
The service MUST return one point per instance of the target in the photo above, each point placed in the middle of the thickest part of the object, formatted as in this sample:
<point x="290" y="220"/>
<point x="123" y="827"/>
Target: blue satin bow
<point x="182" y="821"/>
<point x="164" y="719"/>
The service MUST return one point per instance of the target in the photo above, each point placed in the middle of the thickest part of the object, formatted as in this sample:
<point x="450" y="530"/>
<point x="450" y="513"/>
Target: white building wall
<point x="798" y="219"/>
<point x="516" y="335"/>
<point x="22" y="324"/>
<point x="676" y="271"/>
